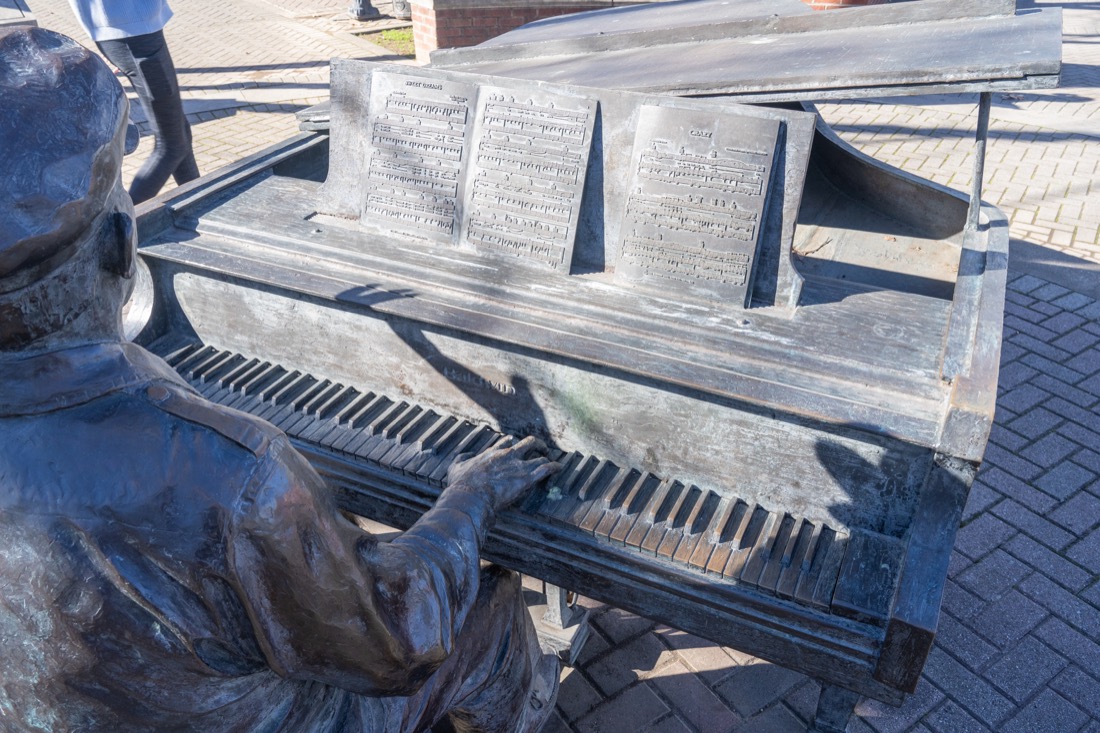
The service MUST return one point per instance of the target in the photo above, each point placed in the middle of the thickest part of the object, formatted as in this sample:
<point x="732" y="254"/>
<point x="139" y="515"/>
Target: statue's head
<point x="66" y="223"/>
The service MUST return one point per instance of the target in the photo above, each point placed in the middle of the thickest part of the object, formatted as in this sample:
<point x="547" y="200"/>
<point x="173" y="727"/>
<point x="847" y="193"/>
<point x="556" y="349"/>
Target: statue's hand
<point x="503" y="473"/>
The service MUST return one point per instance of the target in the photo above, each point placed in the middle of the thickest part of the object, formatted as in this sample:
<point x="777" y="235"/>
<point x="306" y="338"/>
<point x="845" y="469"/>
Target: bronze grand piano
<point x="766" y="362"/>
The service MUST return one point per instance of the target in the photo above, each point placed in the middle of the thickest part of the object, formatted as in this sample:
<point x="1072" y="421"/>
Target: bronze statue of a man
<point x="167" y="564"/>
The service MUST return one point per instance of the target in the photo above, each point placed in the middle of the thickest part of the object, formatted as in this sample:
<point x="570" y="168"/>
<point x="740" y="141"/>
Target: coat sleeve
<point x="331" y="603"/>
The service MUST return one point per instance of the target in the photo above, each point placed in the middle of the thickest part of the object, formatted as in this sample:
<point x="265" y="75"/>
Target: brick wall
<point x="826" y="4"/>
<point x="459" y="23"/>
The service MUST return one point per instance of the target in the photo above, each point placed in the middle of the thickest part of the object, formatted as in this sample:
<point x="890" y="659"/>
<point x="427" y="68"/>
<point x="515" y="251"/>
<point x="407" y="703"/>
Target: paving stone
<point x="1013" y="488"/>
<point x="667" y="724"/>
<point x="753" y="687"/>
<point x="959" y="602"/>
<point x="950" y="718"/>
<point x="803" y="699"/>
<point x="1028" y="284"/>
<point x="632" y="709"/>
<point x="1020" y="468"/>
<point x="1070" y="642"/>
<point x="967" y="689"/>
<point x="594" y="647"/>
<point x="1092" y="594"/>
<point x="1076" y="342"/>
<point x="1023" y="398"/>
<point x="1030" y="425"/>
<point x="693" y="700"/>
<point x="1073" y="301"/>
<point x="1081" y="687"/>
<point x="776" y="719"/>
<point x="1079" y="513"/>
<point x="1086" y="551"/>
<point x="981" y="497"/>
<point x="625" y="664"/>
<point x="1064" y="323"/>
<point x="1049" y="291"/>
<point x="1055" y="376"/>
<point x="963" y="643"/>
<point x="1031" y="523"/>
<point x="555" y="724"/>
<point x="710" y="661"/>
<point x="1049" y="563"/>
<point x="1083" y="416"/>
<point x="1065" y="479"/>
<point x="1050" y="450"/>
<point x="1090" y="459"/>
<point x="576" y="696"/>
<point x="1092" y="384"/>
<point x="1024" y="668"/>
<point x="993" y="575"/>
<point x="888" y="719"/>
<point x="1008" y="618"/>
<point x="982" y="535"/>
<point x="618" y="625"/>
<point x="1087" y="362"/>
<point x="1014" y="374"/>
<point x="1048" y="712"/>
<point x="1064" y="391"/>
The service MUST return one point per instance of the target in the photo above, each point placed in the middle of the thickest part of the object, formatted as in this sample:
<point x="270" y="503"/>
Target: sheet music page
<point x="697" y="200"/>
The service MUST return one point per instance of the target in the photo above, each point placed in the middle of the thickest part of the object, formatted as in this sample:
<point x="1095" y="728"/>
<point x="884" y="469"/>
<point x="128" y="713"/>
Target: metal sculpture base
<point x="561" y="625"/>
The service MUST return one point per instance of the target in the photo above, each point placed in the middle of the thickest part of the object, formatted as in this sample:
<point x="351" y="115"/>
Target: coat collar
<point x="68" y="377"/>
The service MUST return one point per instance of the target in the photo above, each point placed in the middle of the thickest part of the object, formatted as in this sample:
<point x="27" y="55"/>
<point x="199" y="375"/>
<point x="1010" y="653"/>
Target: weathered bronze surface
<point x="169" y="564"/>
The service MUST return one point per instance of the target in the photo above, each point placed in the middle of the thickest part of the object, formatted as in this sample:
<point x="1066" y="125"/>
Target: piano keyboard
<point x="695" y="529"/>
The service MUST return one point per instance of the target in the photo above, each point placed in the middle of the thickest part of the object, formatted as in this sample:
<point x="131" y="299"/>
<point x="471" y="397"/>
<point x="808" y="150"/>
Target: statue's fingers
<point x="531" y="444"/>
<point x="545" y="470"/>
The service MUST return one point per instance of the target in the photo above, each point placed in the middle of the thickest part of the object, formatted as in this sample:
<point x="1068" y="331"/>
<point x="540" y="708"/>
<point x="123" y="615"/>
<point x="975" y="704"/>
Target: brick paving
<point x="1018" y="649"/>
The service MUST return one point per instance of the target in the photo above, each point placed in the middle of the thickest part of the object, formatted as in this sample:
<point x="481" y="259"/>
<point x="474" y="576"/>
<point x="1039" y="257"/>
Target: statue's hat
<point x="62" y="120"/>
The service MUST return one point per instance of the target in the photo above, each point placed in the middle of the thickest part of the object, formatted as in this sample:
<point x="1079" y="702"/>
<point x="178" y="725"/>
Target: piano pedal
<point x="561" y="625"/>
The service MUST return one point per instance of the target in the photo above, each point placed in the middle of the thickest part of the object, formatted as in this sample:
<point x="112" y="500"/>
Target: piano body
<point x="767" y="442"/>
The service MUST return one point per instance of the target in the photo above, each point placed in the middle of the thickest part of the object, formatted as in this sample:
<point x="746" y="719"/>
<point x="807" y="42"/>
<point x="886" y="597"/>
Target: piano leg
<point x="834" y="709"/>
<point x="562" y="626"/>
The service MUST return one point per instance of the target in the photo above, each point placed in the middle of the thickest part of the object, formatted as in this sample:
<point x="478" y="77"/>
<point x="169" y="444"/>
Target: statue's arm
<point x="331" y="603"/>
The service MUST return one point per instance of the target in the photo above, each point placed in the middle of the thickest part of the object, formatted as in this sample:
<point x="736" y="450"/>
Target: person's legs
<point x="497" y="680"/>
<point x="147" y="63"/>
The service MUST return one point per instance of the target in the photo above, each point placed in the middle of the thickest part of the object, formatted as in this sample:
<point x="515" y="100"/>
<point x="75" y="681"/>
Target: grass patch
<point x="399" y="41"/>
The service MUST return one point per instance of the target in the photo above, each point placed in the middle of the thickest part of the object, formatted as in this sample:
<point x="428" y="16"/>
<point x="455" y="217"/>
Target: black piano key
<point x="176" y="353"/>
<point x="444" y="448"/>
<point x="197" y="356"/>
<point x="777" y="552"/>
<point x="257" y="386"/>
<point x="673" y="530"/>
<point x="345" y="420"/>
<point x="807" y="584"/>
<point x="241" y="371"/>
<point x="737" y="516"/>
<point x="709" y="537"/>
<point x="239" y="381"/>
<point x="830" y="569"/>
<point x="761" y="550"/>
<point x="436" y="443"/>
<point x="304" y="407"/>
<point x="632" y="508"/>
<point x="285" y="381"/>
<point x="668" y="511"/>
<point x="743" y="541"/>
<point x="657" y="510"/>
<point x="560" y="510"/>
<point x="408" y="442"/>
<point x="602" y="481"/>
<point x="400" y="422"/>
<point x="539" y="498"/>
<point x="194" y="372"/>
<point x="224" y="367"/>
<point x="555" y="485"/>
<point x="616" y="492"/>
<point x="359" y="424"/>
<point x="389" y="433"/>
<point x="472" y="443"/>
<point x="376" y="442"/>
<point x="796" y="560"/>
<point x="328" y="415"/>
<point x="696" y="527"/>
<point x="436" y="432"/>
<point x="290" y="401"/>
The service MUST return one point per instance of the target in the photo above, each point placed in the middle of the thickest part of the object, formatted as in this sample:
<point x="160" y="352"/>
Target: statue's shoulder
<point x="252" y="434"/>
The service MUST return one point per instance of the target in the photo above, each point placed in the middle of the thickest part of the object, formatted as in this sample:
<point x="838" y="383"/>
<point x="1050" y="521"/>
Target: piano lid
<point x="764" y="51"/>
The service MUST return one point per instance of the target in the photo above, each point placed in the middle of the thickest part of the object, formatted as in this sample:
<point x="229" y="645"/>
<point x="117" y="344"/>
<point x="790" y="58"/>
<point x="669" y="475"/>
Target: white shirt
<point x="109" y="20"/>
